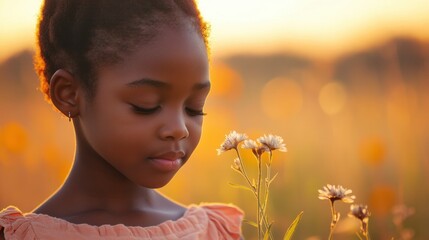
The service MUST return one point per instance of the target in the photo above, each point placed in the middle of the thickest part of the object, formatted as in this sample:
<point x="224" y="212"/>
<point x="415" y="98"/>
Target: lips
<point x="172" y="155"/>
<point x="167" y="162"/>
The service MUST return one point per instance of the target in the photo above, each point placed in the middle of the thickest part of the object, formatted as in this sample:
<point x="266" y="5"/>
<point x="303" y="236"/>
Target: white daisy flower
<point x="359" y="211"/>
<point x="273" y="142"/>
<point x="231" y="141"/>
<point x="249" y="144"/>
<point x="334" y="193"/>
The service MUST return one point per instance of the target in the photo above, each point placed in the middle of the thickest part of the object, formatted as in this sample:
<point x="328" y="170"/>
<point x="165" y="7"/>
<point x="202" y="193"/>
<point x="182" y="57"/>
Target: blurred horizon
<point x="306" y="27"/>
<point x="286" y="52"/>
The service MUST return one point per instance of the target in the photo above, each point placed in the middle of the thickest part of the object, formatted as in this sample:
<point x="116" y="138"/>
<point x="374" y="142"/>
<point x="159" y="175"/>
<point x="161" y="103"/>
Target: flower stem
<point x="334" y="220"/>
<point x="244" y="170"/>
<point x="259" y="196"/>
<point x="256" y="193"/>
<point x="267" y="185"/>
<point x="267" y="193"/>
<point x="364" y="228"/>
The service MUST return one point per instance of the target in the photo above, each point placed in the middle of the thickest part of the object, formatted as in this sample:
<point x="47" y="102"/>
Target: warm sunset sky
<point x="260" y="26"/>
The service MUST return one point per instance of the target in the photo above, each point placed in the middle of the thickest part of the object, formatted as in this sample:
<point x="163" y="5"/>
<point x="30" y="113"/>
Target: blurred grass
<point x="360" y="121"/>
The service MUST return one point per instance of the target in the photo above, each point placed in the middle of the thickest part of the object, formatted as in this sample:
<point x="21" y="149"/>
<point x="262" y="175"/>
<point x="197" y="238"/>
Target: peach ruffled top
<point x="214" y="221"/>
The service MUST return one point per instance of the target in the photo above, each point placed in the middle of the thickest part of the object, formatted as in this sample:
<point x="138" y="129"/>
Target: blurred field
<point x="361" y="121"/>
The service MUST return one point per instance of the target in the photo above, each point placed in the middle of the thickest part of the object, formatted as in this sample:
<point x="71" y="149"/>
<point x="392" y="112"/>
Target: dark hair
<point x="81" y="35"/>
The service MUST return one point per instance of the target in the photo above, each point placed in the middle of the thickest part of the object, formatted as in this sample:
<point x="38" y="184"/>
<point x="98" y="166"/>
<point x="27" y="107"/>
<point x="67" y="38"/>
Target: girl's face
<point x="145" y="119"/>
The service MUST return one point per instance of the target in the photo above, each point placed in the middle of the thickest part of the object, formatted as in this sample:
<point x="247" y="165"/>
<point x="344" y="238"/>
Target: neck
<point x="93" y="181"/>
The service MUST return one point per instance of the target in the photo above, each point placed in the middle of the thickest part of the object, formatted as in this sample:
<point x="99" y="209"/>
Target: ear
<point x="65" y="93"/>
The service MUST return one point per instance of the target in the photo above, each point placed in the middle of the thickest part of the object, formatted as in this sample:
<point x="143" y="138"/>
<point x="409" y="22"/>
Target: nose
<point x="174" y="127"/>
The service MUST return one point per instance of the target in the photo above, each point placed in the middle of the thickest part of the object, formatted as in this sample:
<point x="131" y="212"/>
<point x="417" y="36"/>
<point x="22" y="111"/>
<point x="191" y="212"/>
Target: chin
<point x="156" y="183"/>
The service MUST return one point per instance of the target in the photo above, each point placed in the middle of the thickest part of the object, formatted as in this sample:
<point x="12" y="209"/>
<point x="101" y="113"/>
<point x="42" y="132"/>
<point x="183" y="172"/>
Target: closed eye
<point x="194" y="112"/>
<point x="145" y="111"/>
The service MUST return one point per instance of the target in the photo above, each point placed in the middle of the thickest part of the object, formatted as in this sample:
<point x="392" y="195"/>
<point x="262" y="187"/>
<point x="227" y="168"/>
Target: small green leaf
<point x="240" y="186"/>
<point x="268" y="232"/>
<point x="292" y="227"/>
<point x="251" y="223"/>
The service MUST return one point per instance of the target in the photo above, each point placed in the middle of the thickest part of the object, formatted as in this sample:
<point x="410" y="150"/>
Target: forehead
<point x="179" y="49"/>
<point x="178" y="46"/>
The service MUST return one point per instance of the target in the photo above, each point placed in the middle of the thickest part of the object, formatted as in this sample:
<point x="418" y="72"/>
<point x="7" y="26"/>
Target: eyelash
<point x="147" y="111"/>
<point x="193" y="112"/>
<point x="144" y="111"/>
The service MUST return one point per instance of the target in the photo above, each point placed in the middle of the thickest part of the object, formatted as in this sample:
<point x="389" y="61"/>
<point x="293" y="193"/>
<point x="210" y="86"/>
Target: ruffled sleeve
<point x="207" y="221"/>
<point x="224" y="221"/>
<point x="12" y="226"/>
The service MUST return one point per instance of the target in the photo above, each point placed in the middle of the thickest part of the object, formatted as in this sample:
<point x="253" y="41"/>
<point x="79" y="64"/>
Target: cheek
<point x="113" y="132"/>
<point x="195" y="131"/>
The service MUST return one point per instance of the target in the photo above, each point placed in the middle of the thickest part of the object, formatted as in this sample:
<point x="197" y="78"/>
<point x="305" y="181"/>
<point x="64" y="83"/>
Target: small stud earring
<point x="69" y="117"/>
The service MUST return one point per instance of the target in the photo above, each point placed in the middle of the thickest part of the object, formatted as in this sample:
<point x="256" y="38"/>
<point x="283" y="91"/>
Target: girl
<point x="132" y="77"/>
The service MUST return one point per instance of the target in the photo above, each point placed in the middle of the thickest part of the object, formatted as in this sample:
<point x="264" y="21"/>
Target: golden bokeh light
<point x="373" y="150"/>
<point x="401" y="100"/>
<point x="332" y="98"/>
<point x="381" y="200"/>
<point x="55" y="158"/>
<point x="13" y="138"/>
<point x="281" y="98"/>
<point x="218" y="122"/>
<point x="226" y="83"/>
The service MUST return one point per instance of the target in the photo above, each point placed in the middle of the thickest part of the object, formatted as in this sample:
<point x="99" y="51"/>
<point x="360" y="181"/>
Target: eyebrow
<point x="148" y="81"/>
<point x="161" y="84"/>
<point x="203" y="85"/>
